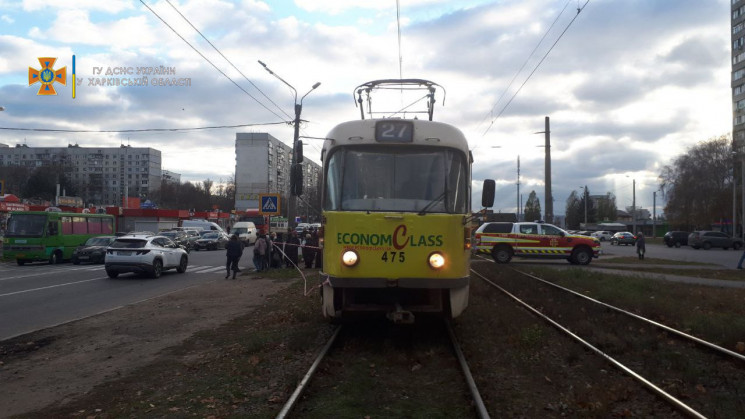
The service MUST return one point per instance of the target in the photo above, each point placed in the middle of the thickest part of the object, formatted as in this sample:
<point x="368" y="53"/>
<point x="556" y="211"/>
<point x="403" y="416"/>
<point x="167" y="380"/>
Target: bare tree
<point x="698" y="185"/>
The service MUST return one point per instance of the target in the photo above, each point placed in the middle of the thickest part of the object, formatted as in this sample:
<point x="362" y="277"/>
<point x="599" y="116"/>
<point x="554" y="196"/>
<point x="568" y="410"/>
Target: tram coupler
<point x="400" y="316"/>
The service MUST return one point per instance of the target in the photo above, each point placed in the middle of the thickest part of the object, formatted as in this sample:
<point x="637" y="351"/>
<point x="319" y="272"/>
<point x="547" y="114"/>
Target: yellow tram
<point x="396" y="229"/>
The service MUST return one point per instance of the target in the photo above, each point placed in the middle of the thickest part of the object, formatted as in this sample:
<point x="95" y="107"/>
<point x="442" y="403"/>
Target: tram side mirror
<point x="299" y="152"/>
<point x="487" y="194"/>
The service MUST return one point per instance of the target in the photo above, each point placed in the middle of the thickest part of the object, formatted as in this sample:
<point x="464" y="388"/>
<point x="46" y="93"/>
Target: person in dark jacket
<point x="309" y="251"/>
<point x="233" y="251"/>
<point x="291" y="249"/>
<point x="640" y="246"/>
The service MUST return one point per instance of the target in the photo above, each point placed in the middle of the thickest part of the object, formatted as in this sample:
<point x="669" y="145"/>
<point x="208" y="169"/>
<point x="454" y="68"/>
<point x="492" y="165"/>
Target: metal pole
<point x="518" y="188"/>
<point x="585" y="206"/>
<point x="633" y="206"/>
<point x="549" y="198"/>
<point x="654" y="214"/>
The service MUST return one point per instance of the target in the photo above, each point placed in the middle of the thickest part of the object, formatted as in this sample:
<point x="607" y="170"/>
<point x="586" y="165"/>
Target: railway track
<point x="698" y="378"/>
<point x="402" y="340"/>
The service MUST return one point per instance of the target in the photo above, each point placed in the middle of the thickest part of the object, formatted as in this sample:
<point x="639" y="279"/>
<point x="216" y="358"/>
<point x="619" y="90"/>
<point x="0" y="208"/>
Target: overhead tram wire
<point x="517" y="73"/>
<point x="579" y="9"/>
<point x="226" y="59"/>
<point x="211" y="63"/>
<point x="140" y="130"/>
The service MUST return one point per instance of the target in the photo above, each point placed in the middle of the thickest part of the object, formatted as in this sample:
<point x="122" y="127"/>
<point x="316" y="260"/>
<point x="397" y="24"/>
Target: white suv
<point x="150" y="254"/>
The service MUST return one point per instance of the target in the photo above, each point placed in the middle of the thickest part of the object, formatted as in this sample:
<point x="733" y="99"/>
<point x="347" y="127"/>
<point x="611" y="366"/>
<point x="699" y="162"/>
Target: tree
<point x="532" y="208"/>
<point x="573" y="211"/>
<point x="698" y="185"/>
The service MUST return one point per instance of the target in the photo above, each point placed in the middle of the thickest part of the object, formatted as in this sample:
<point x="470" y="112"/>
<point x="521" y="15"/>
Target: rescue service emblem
<point x="47" y="76"/>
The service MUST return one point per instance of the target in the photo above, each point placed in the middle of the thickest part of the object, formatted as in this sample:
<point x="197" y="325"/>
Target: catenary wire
<point x="208" y="60"/>
<point x="517" y="73"/>
<point x="226" y="59"/>
<point x="141" y="130"/>
<point x="579" y="9"/>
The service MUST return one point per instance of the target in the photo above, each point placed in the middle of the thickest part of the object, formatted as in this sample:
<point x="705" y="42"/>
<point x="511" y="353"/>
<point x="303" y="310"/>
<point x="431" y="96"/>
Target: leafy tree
<point x="42" y="183"/>
<point x="532" y="207"/>
<point x="698" y="185"/>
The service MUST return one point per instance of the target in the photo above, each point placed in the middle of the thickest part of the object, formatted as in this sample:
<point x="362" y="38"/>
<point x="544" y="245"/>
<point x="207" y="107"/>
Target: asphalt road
<point x="725" y="258"/>
<point x="39" y="295"/>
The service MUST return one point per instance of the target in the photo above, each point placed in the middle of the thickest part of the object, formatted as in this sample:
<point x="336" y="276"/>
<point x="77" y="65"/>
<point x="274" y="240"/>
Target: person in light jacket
<point x="259" y="253"/>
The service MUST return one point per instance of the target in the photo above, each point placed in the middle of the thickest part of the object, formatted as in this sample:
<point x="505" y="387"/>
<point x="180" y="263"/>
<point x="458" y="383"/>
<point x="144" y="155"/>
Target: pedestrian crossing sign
<point x="269" y="204"/>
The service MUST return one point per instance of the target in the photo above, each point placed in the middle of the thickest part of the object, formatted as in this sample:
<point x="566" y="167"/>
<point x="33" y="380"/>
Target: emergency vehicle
<point x="534" y="240"/>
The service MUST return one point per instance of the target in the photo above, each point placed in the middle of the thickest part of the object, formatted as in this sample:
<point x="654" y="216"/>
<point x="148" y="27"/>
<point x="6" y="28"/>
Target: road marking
<point x="51" y="286"/>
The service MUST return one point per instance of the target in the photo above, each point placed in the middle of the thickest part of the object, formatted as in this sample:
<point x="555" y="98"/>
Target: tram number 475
<point x="393" y="257"/>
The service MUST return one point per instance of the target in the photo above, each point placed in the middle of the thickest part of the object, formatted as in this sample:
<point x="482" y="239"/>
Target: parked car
<point x="623" y="237"/>
<point x="602" y="235"/>
<point x="148" y="254"/>
<point x="93" y="250"/>
<point x="676" y="238"/>
<point x="709" y="239"/>
<point x="181" y="238"/>
<point x="193" y="235"/>
<point x="212" y="240"/>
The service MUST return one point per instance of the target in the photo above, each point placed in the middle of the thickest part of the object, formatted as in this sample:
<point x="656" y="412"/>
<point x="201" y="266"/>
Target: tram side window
<point x="52" y="228"/>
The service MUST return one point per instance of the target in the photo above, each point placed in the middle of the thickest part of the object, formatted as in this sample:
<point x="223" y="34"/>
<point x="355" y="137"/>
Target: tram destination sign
<point x="394" y="131"/>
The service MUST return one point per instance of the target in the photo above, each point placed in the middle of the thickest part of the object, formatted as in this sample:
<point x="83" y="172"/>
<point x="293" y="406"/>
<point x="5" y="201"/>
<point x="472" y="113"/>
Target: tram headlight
<point x="349" y="258"/>
<point x="436" y="260"/>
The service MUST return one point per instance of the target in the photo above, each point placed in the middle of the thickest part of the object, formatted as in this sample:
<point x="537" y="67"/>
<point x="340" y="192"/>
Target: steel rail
<point x="304" y="382"/>
<point x="677" y="403"/>
<point x="467" y="372"/>
<point x="638" y="317"/>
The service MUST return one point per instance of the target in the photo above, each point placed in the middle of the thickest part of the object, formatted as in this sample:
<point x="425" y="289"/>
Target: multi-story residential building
<point x="102" y="176"/>
<point x="172" y="177"/>
<point x="262" y="165"/>
<point x="738" y="74"/>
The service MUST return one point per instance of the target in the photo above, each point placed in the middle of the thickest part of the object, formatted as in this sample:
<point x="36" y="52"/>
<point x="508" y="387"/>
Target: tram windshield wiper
<point x="433" y="202"/>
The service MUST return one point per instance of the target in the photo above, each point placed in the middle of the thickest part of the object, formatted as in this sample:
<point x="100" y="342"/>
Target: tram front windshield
<point x="423" y="180"/>
<point x="26" y="225"/>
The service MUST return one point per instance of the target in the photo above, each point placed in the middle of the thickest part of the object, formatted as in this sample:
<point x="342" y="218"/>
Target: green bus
<point x="51" y="236"/>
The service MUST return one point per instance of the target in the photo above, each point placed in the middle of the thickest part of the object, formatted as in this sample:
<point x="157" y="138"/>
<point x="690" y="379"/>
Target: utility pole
<point x="549" y="199"/>
<point x="296" y="159"/>
<point x="585" y="206"/>
<point x="633" y="205"/>
<point x="518" y="188"/>
<point x="654" y="214"/>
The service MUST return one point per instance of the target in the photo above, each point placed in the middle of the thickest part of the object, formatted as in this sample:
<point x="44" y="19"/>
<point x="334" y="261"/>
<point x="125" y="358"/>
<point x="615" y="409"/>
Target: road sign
<point x="269" y="204"/>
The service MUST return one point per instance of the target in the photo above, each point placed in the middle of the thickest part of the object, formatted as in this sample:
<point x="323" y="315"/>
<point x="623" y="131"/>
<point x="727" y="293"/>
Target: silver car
<point x="146" y="254"/>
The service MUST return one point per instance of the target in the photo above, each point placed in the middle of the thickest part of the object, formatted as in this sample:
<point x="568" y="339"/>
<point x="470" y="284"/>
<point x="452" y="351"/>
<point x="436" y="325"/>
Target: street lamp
<point x="633" y="205"/>
<point x="296" y="157"/>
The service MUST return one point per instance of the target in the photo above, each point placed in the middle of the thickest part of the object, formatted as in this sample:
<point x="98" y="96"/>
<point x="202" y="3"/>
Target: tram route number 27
<point x="393" y="257"/>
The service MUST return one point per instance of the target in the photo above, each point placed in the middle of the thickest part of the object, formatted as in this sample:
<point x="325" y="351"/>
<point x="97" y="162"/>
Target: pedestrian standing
<point x="233" y="252"/>
<point x="259" y="252"/>
<point x="640" y="246"/>
<point x="268" y="254"/>
<point x="293" y="245"/>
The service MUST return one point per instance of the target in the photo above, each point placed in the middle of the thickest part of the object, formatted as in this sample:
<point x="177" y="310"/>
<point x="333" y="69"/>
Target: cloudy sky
<point x="628" y="87"/>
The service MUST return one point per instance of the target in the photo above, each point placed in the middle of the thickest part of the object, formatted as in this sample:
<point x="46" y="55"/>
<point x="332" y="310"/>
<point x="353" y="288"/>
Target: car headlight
<point x="436" y="260"/>
<point x="349" y="258"/>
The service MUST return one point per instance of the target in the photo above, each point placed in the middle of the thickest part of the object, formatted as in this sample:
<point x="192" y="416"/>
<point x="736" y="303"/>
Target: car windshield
<point x="211" y="236"/>
<point x="98" y="241"/>
<point x="414" y="179"/>
<point x="240" y="230"/>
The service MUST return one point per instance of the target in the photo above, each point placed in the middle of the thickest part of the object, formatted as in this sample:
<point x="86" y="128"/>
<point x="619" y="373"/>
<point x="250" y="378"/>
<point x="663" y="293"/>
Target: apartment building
<point x="102" y="176"/>
<point x="738" y="74"/>
<point x="262" y="165"/>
